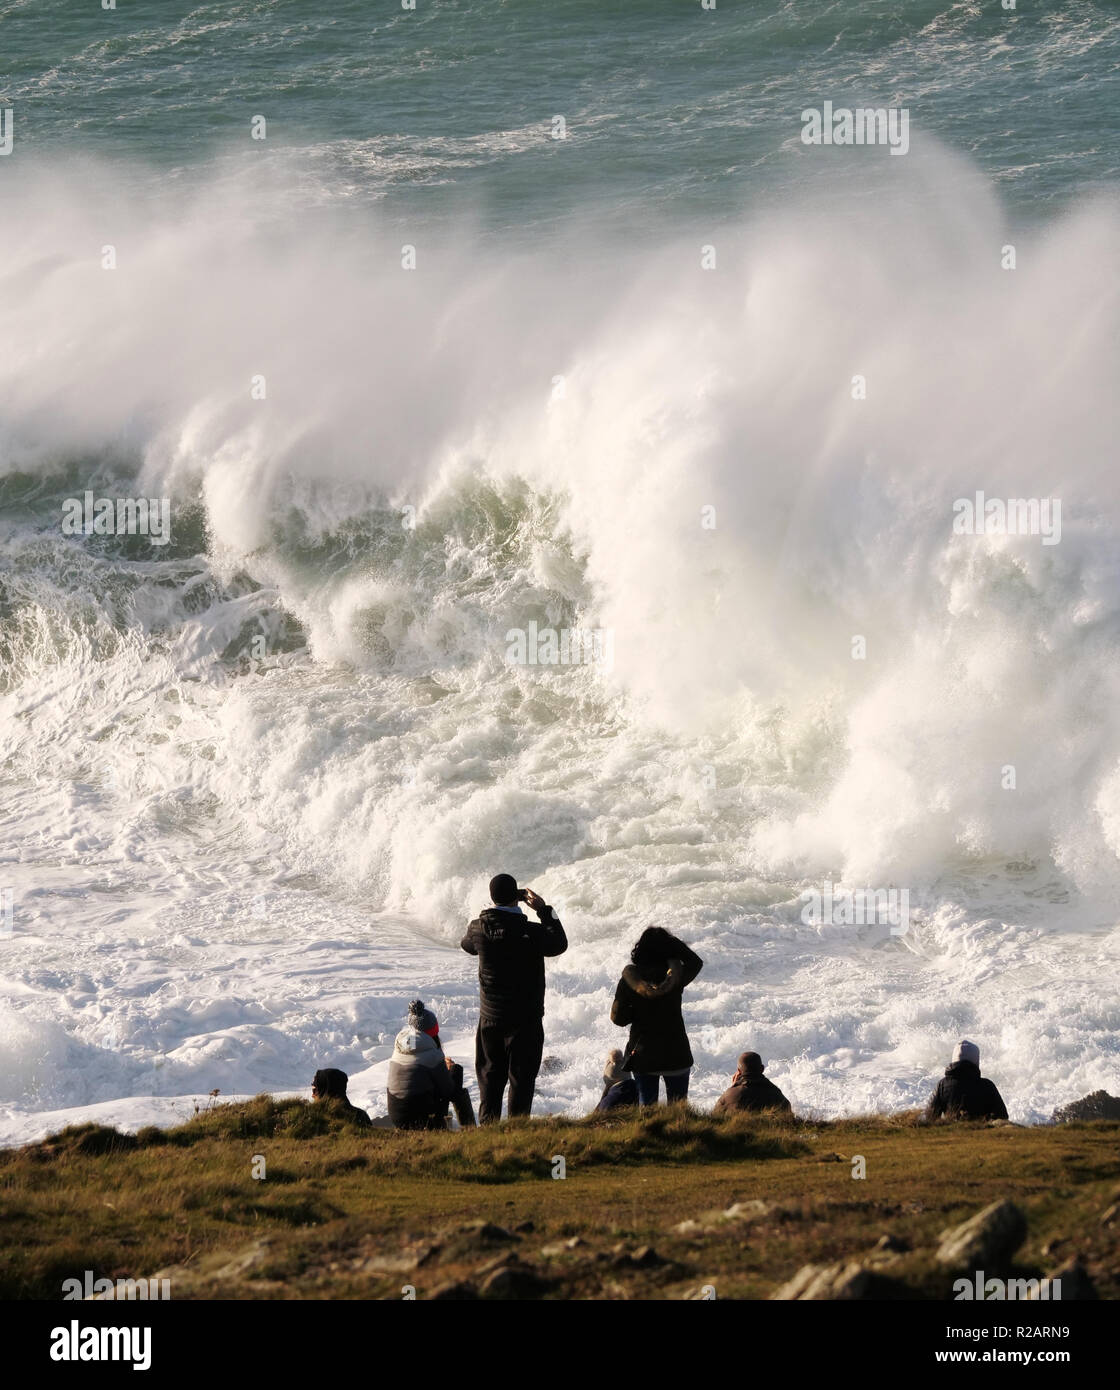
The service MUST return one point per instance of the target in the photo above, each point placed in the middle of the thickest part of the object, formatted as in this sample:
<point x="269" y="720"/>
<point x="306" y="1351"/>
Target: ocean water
<point x="254" y="781"/>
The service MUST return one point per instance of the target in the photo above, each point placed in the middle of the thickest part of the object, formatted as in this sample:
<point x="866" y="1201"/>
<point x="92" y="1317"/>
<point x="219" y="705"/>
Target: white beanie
<point x="966" y="1051"/>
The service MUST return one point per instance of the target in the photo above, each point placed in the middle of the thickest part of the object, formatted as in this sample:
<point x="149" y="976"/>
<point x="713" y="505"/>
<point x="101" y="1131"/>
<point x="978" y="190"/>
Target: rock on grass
<point x="1097" y="1105"/>
<point x="986" y="1241"/>
<point x="514" y="1281"/>
<point x="838" y="1281"/>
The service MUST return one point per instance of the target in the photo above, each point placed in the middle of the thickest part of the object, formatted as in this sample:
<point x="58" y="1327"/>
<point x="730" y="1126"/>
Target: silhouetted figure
<point x="962" y="1093"/>
<point x="750" y="1090"/>
<point x="648" y="998"/>
<point x="511" y="953"/>
<point x="329" y="1087"/>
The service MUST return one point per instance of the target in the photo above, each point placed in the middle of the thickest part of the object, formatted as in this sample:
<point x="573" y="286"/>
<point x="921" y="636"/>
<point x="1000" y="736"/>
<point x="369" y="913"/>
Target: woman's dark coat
<point x="648" y="998"/>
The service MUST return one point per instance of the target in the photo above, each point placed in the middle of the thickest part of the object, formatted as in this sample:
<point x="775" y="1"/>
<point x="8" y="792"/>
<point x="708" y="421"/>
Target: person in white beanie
<point x="962" y="1093"/>
<point x="423" y="1082"/>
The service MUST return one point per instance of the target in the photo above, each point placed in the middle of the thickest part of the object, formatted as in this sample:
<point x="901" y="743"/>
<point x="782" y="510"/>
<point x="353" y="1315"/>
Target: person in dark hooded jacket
<point x="962" y="1093"/>
<point x="329" y="1087"/>
<point x="423" y="1082"/>
<point x="648" y="998"/>
<point x="750" y="1090"/>
<point x="511" y="953"/>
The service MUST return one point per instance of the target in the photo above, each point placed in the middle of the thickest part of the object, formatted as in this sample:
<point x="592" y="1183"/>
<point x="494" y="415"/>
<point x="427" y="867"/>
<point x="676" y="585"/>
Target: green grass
<point x="344" y="1212"/>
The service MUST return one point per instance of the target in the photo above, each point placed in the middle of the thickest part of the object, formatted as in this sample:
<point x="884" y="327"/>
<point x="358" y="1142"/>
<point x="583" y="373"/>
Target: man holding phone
<point x="511" y="952"/>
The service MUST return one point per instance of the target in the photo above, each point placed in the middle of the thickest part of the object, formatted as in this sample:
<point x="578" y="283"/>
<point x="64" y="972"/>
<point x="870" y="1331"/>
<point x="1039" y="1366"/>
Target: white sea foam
<point x="229" y="871"/>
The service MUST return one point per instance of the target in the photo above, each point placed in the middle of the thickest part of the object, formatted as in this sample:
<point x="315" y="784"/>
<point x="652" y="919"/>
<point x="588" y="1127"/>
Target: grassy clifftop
<point x="652" y="1206"/>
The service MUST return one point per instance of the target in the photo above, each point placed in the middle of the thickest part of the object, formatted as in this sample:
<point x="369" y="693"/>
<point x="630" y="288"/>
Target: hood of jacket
<point x="654" y="989"/>
<point x="963" y="1071"/>
<point x="412" y="1044"/>
<point x="497" y="920"/>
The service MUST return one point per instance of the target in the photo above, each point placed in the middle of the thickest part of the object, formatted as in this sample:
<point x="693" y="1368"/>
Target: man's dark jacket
<point x="649" y="1000"/>
<point x="962" y="1093"/>
<point x="753" y="1093"/>
<point x="511" y="952"/>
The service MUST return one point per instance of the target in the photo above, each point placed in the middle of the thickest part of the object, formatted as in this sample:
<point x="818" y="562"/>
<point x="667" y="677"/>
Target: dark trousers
<point x="622" y="1093"/>
<point x="428" y="1113"/>
<point x="507" y="1052"/>
<point x="676" y="1087"/>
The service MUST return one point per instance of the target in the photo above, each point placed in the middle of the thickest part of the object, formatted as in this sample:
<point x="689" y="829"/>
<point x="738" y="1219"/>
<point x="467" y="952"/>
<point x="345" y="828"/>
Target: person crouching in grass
<point x="750" y="1090"/>
<point x="329" y="1089"/>
<point x="619" y="1090"/>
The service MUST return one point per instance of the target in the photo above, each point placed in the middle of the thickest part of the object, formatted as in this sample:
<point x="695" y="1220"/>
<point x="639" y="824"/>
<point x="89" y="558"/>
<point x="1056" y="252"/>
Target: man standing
<point x="511" y="951"/>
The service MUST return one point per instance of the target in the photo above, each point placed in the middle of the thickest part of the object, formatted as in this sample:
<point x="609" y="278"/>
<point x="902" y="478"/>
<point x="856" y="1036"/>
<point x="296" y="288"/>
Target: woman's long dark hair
<point x="654" y="947"/>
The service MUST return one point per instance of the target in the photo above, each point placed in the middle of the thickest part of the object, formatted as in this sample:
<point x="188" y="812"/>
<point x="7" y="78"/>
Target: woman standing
<point x="648" y="998"/>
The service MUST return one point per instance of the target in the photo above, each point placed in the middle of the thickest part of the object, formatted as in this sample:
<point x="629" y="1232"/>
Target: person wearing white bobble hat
<point x="423" y="1082"/>
<point x="962" y="1093"/>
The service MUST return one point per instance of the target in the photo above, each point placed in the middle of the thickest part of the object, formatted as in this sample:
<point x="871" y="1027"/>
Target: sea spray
<point x="290" y="737"/>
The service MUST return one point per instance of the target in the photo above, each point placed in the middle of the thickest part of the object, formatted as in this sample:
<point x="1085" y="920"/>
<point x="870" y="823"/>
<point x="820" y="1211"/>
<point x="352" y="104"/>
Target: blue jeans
<point x="676" y="1087"/>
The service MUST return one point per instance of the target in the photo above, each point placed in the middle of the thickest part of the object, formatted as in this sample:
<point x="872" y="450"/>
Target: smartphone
<point x="523" y="895"/>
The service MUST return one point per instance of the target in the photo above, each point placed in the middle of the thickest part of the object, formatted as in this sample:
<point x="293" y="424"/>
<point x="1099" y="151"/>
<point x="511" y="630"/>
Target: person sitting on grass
<point x="423" y="1083"/>
<point x="329" y="1088"/>
<point x="750" y="1090"/>
<point x="618" y="1088"/>
<point x="962" y="1093"/>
